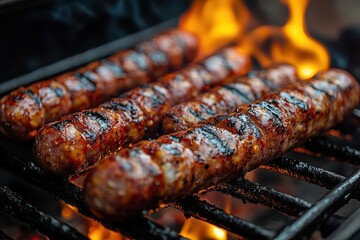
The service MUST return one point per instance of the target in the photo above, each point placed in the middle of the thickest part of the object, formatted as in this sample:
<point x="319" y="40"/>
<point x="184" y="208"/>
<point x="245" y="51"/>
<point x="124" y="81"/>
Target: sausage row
<point x="224" y="147"/>
<point x="224" y="99"/>
<point x="78" y="141"/>
<point x="26" y="109"/>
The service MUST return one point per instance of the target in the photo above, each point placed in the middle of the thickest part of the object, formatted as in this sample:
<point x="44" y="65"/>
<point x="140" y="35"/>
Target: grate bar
<point x="200" y="209"/>
<point x="4" y="236"/>
<point x="328" y="148"/>
<point x="307" y="172"/>
<point x="13" y="205"/>
<point x="349" y="229"/>
<point x="327" y="205"/>
<point x="139" y="228"/>
<point x="255" y="193"/>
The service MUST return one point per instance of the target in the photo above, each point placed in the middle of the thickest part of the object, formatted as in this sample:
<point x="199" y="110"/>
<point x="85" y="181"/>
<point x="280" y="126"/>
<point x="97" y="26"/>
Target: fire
<point x="196" y="229"/>
<point x="290" y="43"/>
<point x="93" y="229"/>
<point x="199" y="230"/>
<point x="217" y="23"/>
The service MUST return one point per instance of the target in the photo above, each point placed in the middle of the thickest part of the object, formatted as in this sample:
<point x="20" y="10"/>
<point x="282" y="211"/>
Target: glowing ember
<point x="217" y="23"/>
<point x="198" y="230"/>
<point x="93" y="229"/>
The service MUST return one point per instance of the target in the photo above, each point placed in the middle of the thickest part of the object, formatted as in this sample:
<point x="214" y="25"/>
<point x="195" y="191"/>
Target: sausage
<point x="224" y="99"/>
<point x="78" y="141"/>
<point x="224" y="147"/>
<point x="26" y="109"/>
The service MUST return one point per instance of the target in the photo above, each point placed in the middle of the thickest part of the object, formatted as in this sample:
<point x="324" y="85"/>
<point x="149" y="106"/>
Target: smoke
<point x="38" y="35"/>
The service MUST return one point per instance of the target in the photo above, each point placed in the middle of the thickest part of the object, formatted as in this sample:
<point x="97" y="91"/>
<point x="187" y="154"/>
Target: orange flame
<point x="290" y="43"/>
<point x="93" y="229"/>
<point x="217" y="23"/>
<point x="199" y="230"/>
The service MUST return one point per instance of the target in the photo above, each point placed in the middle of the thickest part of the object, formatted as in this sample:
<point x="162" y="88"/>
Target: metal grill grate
<point x="17" y="159"/>
<point x="343" y="188"/>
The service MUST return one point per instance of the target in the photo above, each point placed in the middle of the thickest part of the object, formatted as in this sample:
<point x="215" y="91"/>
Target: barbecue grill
<point x="18" y="160"/>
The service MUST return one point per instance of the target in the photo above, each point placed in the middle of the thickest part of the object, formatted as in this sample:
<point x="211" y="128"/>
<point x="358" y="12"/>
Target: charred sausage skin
<point x="78" y="141"/>
<point x="224" y="99"/>
<point x="26" y="109"/>
<point x="224" y="147"/>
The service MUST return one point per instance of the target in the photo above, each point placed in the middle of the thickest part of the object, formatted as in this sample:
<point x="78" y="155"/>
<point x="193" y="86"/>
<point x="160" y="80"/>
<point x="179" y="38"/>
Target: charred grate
<point x="308" y="217"/>
<point x="305" y="214"/>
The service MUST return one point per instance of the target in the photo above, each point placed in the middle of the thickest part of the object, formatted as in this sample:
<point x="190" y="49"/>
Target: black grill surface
<point x="18" y="161"/>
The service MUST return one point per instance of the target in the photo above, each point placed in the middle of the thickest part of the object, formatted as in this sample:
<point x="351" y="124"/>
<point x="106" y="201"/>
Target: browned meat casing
<point x="78" y="141"/>
<point x="225" y="98"/>
<point x="26" y="109"/>
<point x="224" y="147"/>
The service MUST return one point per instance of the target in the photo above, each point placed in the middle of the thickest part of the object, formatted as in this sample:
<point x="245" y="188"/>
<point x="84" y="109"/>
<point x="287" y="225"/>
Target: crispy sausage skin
<point x="26" y="109"/>
<point x="224" y="147"/>
<point x="225" y="98"/>
<point x="78" y="141"/>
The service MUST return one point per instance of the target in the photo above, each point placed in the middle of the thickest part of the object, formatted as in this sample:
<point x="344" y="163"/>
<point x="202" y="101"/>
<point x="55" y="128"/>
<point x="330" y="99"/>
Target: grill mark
<point x="332" y="98"/>
<point x="295" y="101"/>
<point x="114" y="68"/>
<point x="247" y="121"/>
<point x="173" y="151"/>
<point x="158" y="98"/>
<point x="173" y="117"/>
<point x="220" y="118"/>
<point x="116" y="106"/>
<point x="227" y="63"/>
<point x="206" y="64"/>
<point x="17" y="98"/>
<point x="181" y="44"/>
<point x="231" y="121"/>
<point x="209" y="134"/>
<point x="58" y="91"/>
<point x="174" y="138"/>
<point x="266" y="82"/>
<point x="158" y="58"/>
<point x="274" y="111"/>
<point x="60" y="125"/>
<point x="34" y="97"/>
<point x="243" y="96"/>
<point x="90" y="134"/>
<point x="85" y="81"/>
<point x="102" y="120"/>
<point x="207" y="109"/>
<point x="196" y="114"/>
<point x="252" y="74"/>
<point x="139" y="59"/>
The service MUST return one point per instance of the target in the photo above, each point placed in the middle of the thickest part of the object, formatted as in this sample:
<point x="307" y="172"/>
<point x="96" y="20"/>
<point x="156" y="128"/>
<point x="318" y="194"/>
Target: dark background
<point x="37" y="33"/>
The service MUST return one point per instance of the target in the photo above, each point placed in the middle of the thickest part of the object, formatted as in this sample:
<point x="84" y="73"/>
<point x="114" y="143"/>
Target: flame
<point x="290" y="43"/>
<point x="93" y="229"/>
<point x="197" y="230"/>
<point x="217" y="23"/>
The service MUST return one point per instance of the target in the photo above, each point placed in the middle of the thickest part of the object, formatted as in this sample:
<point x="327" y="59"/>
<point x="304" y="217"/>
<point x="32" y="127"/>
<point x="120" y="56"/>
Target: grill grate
<point x="13" y="205"/>
<point x="4" y="236"/>
<point x="342" y="189"/>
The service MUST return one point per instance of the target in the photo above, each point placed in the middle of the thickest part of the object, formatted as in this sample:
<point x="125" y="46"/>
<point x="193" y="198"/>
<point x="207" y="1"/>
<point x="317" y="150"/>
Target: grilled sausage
<point x="224" y="99"/>
<point x="224" y="147"/>
<point x="79" y="140"/>
<point x="26" y="109"/>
